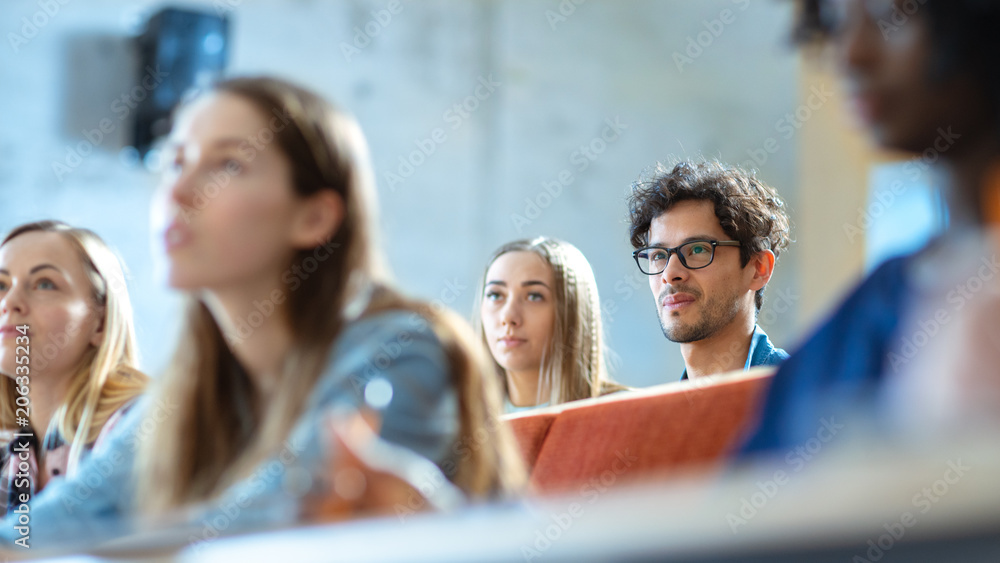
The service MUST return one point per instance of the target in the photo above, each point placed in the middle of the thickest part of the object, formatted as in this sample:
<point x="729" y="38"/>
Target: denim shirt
<point x="761" y="353"/>
<point x="396" y="347"/>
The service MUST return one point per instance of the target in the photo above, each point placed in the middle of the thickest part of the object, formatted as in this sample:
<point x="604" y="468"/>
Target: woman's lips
<point x="176" y="236"/>
<point x="10" y="331"/>
<point x="511" y="342"/>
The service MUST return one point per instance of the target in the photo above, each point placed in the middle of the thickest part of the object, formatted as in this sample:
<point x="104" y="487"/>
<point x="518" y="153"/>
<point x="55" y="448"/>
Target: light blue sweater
<point x="398" y="347"/>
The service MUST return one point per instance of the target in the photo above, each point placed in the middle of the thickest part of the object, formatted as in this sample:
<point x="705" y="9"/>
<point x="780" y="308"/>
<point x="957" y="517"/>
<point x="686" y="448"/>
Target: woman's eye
<point x="173" y="166"/>
<point x="3" y="286"/>
<point x="536" y="297"/>
<point x="232" y="166"/>
<point x="492" y="296"/>
<point x="45" y="284"/>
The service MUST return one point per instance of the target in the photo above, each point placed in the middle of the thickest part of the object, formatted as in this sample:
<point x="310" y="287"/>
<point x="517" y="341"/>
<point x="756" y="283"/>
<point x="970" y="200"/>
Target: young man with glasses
<point x="708" y="235"/>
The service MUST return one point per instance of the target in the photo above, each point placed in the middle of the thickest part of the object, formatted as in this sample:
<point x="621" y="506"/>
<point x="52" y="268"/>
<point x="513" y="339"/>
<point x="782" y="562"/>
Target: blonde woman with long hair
<point x="267" y="217"/>
<point x="67" y="353"/>
<point x="540" y="317"/>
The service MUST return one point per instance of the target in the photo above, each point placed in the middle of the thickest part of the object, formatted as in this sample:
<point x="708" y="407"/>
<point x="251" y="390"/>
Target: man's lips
<point x="868" y="106"/>
<point x="676" y="300"/>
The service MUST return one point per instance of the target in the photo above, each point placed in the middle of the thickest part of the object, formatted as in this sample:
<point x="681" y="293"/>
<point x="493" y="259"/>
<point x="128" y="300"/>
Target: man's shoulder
<point x="765" y="353"/>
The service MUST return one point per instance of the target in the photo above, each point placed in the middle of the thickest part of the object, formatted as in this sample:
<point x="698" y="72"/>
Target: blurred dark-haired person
<point x="708" y="236"/>
<point x="919" y="77"/>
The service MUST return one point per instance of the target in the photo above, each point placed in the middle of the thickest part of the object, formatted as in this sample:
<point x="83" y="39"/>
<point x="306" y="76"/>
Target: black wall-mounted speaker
<point x="180" y="50"/>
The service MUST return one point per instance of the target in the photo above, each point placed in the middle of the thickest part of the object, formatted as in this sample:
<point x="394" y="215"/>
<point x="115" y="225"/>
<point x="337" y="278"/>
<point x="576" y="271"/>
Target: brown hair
<point x="573" y="364"/>
<point x="108" y="377"/>
<point x="748" y="210"/>
<point x="326" y="150"/>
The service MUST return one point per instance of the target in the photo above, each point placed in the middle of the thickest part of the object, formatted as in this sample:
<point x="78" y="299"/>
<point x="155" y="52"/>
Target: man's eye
<point x="658" y="255"/>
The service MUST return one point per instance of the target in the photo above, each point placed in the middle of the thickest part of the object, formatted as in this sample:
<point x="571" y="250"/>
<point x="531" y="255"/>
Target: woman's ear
<point x="97" y="336"/>
<point x="317" y="219"/>
<point x="762" y="265"/>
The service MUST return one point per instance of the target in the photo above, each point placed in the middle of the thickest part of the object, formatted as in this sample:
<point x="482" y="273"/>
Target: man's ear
<point x="762" y="266"/>
<point x="317" y="219"/>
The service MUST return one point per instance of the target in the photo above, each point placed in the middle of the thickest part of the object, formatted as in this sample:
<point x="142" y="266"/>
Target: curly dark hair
<point x="748" y="210"/>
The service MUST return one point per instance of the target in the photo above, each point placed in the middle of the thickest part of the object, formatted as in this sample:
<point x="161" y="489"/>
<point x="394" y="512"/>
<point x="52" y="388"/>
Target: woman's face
<point x="519" y="310"/>
<point x="886" y="51"/>
<point x="226" y="209"/>
<point x="44" y="285"/>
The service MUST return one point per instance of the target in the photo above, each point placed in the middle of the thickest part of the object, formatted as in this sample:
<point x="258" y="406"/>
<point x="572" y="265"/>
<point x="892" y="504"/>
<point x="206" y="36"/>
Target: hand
<point x="368" y="476"/>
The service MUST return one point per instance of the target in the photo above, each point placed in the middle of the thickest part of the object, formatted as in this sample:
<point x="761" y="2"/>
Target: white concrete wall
<point x="557" y="85"/>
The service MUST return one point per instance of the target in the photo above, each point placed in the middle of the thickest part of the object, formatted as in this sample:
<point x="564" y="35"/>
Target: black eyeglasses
<point x="693" y="255"/>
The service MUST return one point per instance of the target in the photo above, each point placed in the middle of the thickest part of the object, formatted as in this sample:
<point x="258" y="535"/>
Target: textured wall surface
<point x="488" y="121"/>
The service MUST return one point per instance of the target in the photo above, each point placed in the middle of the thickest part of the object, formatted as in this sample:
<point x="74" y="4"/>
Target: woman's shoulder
<point x="114" y="420"/>
<point x="609" y="387"/>
<point x="387" y="324"/>
<point x="398" y="346"/>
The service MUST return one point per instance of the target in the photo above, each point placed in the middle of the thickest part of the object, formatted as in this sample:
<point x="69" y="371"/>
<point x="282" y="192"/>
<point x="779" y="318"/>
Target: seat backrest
<point x="647" y="433"/>
<point x="530" y="430"/>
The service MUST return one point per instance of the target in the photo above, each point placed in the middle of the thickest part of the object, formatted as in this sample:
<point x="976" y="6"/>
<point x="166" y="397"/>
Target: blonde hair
<point x="573" y="365"/>
<point x="210" y="441"/>
<point x="108" y="376"/>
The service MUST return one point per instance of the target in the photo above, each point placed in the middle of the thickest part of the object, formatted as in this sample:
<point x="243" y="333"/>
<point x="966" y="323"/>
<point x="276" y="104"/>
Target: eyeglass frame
<point x="674" y="251"/>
